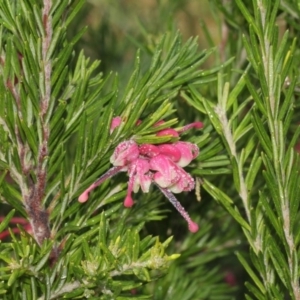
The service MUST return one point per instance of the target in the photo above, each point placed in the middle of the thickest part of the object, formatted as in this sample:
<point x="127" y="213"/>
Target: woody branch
<point x="38" y="215"/>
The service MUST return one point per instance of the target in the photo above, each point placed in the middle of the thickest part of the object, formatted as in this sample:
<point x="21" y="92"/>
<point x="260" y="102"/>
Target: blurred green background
<point x="116" y="29"/>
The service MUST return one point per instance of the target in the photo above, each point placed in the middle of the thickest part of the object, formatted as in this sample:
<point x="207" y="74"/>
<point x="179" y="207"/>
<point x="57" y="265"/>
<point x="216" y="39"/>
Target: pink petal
<point x="141" y="177"/>
<point x="188" y="152"/>
<point x="148" y="150"/>
<point x="167" y="173"/>
<point x="145" y="183"/>
<point x="138" y="170"/>
<point x="184" y="184"/>
<point x="171" y="151"/>
<point x="162" y="181"/>
<point x="125" y="153"/>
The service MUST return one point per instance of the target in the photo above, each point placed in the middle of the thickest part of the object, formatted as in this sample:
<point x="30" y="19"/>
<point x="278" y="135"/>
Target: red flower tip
<point x="128" y="202"/>
<point x="193" y="227"/>
<point x="83" y="197"/>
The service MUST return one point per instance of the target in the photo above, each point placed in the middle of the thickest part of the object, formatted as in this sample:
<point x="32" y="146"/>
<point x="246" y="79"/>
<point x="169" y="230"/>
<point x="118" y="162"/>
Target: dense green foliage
<point x="56" y="108"/>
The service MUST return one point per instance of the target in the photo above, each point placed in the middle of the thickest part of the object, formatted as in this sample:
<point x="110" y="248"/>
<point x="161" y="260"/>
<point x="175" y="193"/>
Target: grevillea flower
<point x="161" y="165"/>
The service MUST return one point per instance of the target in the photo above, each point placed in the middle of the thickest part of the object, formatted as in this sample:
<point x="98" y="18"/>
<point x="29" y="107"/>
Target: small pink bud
<point x="116" y="122"/>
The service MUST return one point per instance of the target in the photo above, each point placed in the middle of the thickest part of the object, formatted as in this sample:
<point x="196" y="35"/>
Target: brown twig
<point x="38" y="215"/>
<point x="33" y="187"/>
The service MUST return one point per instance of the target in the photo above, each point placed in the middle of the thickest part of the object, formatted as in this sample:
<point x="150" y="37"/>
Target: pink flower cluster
<point x="161" y="165"/>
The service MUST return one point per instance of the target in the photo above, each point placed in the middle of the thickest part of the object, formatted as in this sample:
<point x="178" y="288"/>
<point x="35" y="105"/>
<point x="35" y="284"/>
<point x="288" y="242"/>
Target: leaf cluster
<point x="97" y="263"/>
<point x="253" y="114"/>
<point x="55" y="117"/>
